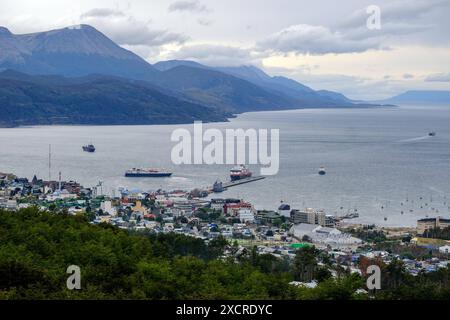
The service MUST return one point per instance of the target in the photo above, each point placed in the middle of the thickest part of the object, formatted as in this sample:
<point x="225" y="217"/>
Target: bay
<point x="379" y="161"/>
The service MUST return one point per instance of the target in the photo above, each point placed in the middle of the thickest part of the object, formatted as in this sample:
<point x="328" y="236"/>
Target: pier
<point x="229" y="184"/>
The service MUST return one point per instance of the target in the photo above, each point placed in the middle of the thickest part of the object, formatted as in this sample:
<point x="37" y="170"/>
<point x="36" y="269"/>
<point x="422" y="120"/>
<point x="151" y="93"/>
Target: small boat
<point x="147" y="173"/>
<point x="432" y="134"/>
<point x="89" y="148"/>
<point x="240" y="172"/>
<point x="322" y="171"/>
<point x="218" y="187"/>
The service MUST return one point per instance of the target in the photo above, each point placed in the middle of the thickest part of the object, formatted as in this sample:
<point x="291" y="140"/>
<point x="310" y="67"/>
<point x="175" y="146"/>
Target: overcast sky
<point x="325" y="44"/>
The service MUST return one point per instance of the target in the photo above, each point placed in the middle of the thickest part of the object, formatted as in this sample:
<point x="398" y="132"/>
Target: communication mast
<point x="49" y="162"/>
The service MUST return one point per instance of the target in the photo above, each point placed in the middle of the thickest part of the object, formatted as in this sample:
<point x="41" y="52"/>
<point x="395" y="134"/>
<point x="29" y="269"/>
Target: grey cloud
<point x="204" y="22"/>
<point x="389" y="29"/>
<point x="398" y="18"/>
<point x="102" y="12"/>
<point x="352" y="86"/>
<point x="148" y="37"/>
<point x="395" y="12"/>
<point x="308" y="39"/>
<point x="126" y="30"/>
<point x="215" y="55"/>
<point x="438" y="77"/>
<point x="408" y="76"/>
<point x="421" y="20"/>
<point x="191" y="6"/>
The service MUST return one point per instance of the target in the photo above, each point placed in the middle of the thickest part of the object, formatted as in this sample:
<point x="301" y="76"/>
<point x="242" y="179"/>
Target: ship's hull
<point x="235" y="178"/>
<point x="147" y="175"/>
<point x="88" y="150"/>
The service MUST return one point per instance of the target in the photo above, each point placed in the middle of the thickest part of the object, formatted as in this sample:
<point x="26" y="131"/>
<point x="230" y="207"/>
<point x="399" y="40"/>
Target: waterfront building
<point x="284" y="210"/>
<point x="268" y="216"/>
<point x="311" y="216"/>
<point x="431" y="223"/>
<point x="323" y="235"/>
<point x="232" y="208"/>
<point x="246" y="215"/>
<point x="218" y="204"/>
<point x="303" y="216"/>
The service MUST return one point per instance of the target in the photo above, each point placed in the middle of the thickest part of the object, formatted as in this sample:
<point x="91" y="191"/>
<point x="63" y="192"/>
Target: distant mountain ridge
<point x="83" y="54"/>
<point x="72" y="51"/>
<point x="94" y="100"/>
<point x="420" y="97"/>
<point x="279" y="85"/>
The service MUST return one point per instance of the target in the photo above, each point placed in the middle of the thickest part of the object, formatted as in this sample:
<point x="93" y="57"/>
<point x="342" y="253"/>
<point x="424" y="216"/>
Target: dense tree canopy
<point x="37" y="247"/>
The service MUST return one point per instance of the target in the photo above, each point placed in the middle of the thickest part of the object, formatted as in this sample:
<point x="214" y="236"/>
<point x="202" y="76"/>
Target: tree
<point x="305" y="264"/>
<point x="217" y="246"/>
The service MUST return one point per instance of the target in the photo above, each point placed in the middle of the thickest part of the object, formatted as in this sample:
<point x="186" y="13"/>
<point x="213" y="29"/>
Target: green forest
<point x="36" y="248"/>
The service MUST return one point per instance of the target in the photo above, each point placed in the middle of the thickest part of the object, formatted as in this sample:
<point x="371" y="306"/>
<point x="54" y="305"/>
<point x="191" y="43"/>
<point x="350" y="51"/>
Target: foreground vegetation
<point x="37" y="247"/>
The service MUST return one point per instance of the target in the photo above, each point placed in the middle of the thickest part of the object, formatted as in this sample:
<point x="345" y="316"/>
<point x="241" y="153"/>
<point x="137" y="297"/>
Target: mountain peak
<point x="72" y="51"/>
<point x="82" y="27"/>
<point x="170" y="64"/>
<point x="4" y="30"/>
<point x="77" y="39"/>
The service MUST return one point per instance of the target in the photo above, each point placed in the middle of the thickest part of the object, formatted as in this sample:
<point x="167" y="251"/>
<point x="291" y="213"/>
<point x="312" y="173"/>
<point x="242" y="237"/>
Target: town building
<point x="218" y="204"/>
<point x="284" y="210"/>
<point x="303" y="216"/>
<point x="268" y="216"/>
<point x="431" y="223"/>
<point x="108" y="208"/>
<point x="232" y="208"/>
<point x="246" y="215"/>
<point x="323" y="235"/>
<point x="445" y="249"/>
<point x="311" y="216"/>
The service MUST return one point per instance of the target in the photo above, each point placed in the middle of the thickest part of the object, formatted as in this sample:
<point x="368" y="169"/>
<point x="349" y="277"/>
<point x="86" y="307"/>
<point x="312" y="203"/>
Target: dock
<point x="229" y="184"/>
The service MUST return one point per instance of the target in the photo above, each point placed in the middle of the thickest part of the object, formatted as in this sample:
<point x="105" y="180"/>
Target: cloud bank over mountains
<point x="318" y="43"/>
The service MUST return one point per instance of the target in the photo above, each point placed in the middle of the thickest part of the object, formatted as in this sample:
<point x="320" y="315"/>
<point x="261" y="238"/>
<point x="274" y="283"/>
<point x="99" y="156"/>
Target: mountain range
<point x="420" y="97"/>
<point x="78" y="75"/>
<point x="95" y="100"/>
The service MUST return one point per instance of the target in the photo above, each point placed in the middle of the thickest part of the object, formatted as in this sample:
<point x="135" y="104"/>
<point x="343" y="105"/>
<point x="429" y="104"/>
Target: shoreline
<point x="228" y="119"/>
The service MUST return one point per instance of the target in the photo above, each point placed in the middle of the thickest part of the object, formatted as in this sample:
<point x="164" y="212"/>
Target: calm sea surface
<point x="379" y="161"/>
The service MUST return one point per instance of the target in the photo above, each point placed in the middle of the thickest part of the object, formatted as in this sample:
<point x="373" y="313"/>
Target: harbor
<point x="230" y="184"/>
<point x="222" y="186"/>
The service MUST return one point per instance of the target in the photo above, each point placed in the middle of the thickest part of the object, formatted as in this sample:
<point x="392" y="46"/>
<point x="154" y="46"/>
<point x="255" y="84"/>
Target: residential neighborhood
<point x="278" y="233"/>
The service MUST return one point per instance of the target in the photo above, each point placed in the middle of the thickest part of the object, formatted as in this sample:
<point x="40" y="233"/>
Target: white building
<point x="284" y="210"/>
<point x="445" y="249"/>
<point x="312" y="216"/>
<point x="108" y="208"/>
<point x="323" y="235"/>
<point x="11" y="204"/>
<point x="305" y="216"/>
<point x="246" y="215"/>
<point x="63" y="194"/>
<point x="218" y="204"/>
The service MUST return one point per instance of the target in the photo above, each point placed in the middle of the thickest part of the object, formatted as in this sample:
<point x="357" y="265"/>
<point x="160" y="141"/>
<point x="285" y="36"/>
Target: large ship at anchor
<point x="240" y="172"/>
<point x="147" y="173"/>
